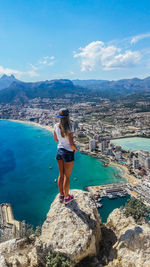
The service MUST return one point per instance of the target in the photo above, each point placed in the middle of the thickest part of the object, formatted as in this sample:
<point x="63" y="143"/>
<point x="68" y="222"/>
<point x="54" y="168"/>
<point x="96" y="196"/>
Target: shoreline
<point x="47" y="127"/>
<point x="129" y="178"/>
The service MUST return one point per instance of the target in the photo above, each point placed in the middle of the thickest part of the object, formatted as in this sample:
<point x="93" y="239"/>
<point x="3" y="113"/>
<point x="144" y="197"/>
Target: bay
<point x="27" y="182"/>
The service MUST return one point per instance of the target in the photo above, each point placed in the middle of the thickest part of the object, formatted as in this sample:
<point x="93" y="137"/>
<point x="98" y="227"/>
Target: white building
<point x="76" y="124"/>
<point x="92" y="144"/>
<point x="103" y="145"/>
<point x="99" y="123"/>
<point x="81" y="126"/>
<point x="147" y="163"/>
<point x="136" y="163"/>
<point x="102" y="128"/>
<point x="118" y="155"/>
<point x="144" y="157"/>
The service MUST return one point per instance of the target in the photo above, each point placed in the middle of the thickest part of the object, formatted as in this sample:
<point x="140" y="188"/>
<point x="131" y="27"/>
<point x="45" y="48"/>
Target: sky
<point x="72" y="39"/>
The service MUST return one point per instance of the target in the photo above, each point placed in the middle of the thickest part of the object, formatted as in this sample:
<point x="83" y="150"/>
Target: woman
<point x="63" y="134"/>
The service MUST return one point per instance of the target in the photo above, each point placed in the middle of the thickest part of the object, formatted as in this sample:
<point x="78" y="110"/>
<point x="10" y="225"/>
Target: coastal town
<point x="97" y="125"/>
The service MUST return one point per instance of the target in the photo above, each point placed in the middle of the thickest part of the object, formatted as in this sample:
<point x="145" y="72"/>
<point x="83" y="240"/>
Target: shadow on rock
<point x="73" y="206"/>
<point x="106" y="251"/>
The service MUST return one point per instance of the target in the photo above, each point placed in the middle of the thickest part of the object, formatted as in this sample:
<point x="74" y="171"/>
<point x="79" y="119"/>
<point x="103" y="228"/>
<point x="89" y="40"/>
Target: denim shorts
<point x="65" y="155"/>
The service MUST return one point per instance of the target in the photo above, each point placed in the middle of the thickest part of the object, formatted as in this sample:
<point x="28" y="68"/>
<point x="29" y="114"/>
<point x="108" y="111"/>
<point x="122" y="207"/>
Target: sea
<point x="26" y="180"/>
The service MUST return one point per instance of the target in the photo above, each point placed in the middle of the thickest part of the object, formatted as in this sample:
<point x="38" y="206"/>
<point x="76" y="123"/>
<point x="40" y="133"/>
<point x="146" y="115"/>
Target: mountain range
<point x="12" y="90"/>
<point x="5" y="81"/>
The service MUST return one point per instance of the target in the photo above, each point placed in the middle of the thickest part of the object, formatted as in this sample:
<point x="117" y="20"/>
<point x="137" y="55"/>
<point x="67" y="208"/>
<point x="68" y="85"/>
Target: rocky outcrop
<point x="76" y="231"/>
<point x="132" y="248"/>
<point x="73" y="230"/>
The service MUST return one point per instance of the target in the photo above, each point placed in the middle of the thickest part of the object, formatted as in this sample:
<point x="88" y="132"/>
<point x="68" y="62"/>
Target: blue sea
<point x="27" y="182"/>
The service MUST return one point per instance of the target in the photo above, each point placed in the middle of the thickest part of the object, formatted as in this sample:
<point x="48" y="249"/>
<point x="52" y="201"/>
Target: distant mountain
<point x="22" y="91"/>
<point x="120" y="87"/>
<point x="88" y="83"/>
<point x="6" y="81"/>
<point x="77" y="90"/>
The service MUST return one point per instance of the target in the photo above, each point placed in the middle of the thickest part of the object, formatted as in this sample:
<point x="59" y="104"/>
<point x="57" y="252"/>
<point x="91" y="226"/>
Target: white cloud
<point x="127" y="60"/>
<point x="8" y="71"/>
<point x="33" y="67"/>
<point x="71" y="72"/>
<point x="107" y="57"/>
<point x="139" y="37"/>
<point x="18" y="74"/>
<point x="48" y="60"/>
<point x="31" y="73"/>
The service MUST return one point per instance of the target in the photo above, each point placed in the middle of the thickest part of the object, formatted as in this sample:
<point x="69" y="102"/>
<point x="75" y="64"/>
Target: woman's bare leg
<point x="61" y="176"/>
<point x="68" y="166"/>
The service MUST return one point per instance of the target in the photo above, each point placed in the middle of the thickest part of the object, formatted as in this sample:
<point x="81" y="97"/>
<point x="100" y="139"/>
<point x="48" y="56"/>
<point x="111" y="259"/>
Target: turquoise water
<point x="133" y="143"/>
<point x="110" y="204"/>
<point x="26" y="152"/>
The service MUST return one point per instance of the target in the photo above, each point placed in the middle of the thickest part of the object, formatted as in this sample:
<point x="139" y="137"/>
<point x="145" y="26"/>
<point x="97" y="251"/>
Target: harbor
<point x="113" y="191"/>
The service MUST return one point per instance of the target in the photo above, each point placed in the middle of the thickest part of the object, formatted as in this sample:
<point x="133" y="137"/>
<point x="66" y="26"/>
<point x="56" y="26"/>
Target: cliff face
<point x="76" y="231"/>
<point x="73" y="230"/>
<point x="132" y="248"/>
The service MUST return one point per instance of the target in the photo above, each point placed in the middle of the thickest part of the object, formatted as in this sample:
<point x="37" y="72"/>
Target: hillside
<point x="21" y="91"/>
<point x="79" y="90"/>
<point x="121" y="87"/>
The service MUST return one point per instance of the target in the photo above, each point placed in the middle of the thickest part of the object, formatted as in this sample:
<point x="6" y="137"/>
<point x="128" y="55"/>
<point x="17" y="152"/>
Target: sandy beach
<point x="130" y="178"/>
<point x="49" y="128"/>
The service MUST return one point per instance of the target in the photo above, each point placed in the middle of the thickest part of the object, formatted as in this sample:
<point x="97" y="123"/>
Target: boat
<point x="99" y="199"/>
<point x="75" y="178"/>
<point x="55" y="180"/>
<point x="111" y="196"/>
<point x="99" y="205"/>
<point x="119" y="194"/>
<point x="105" y="164"/>
<point x="50" y="167"/>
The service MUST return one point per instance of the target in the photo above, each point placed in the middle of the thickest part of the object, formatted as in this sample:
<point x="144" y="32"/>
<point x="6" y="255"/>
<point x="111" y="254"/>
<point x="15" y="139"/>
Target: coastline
<point x="130" y="178"/>
<point x="47" y="127"/>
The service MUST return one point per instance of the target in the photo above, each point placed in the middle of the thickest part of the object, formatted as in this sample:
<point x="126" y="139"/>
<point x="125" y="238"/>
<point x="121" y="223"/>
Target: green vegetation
<point x="57" y="260"/>
<point x="136" y="208"/>
<point x="30" y="230"/>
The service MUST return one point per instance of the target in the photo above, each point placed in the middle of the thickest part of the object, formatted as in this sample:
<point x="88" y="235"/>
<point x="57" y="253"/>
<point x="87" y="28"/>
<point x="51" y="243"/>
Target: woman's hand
<point x="75" y="149"/>
<point x="55" y="137"/>
<point x="71" y="141"/>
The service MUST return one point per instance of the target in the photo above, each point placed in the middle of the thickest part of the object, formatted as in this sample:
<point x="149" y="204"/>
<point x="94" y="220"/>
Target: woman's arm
<point x="55" y="137"/>
<point x="71" y="141"/>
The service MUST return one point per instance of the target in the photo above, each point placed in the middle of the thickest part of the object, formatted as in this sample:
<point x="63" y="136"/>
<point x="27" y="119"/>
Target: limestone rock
<point x="73" y="229"/>
<point x="133" y="241"/>
<point x="2" y="261"/>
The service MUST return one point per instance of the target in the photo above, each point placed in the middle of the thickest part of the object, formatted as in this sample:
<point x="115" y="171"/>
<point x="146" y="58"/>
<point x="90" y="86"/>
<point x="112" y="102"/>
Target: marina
<point x="109" y="190"/>
<point x="113" y="191"/>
